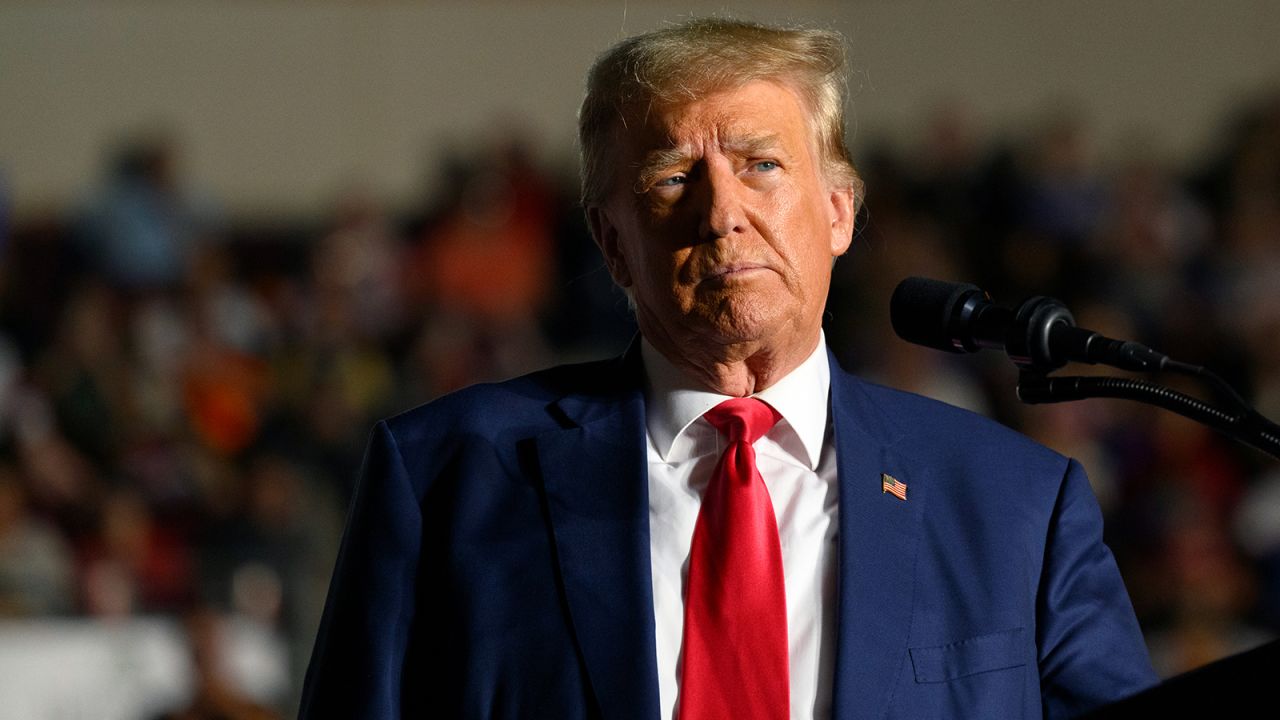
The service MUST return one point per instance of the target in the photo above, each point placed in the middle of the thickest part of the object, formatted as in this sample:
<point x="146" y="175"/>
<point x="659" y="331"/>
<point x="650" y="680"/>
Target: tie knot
<point x="743" y="419"/>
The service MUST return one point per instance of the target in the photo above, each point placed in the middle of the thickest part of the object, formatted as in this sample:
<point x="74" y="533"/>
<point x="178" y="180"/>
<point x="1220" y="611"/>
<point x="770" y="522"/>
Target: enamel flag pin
<point x="890" y="484"/>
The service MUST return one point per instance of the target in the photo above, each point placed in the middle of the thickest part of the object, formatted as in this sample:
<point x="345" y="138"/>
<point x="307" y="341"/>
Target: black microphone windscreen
<point x="921" y="311"/>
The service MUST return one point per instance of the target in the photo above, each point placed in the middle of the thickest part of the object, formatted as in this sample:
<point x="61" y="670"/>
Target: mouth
<point x="734" y="271"/>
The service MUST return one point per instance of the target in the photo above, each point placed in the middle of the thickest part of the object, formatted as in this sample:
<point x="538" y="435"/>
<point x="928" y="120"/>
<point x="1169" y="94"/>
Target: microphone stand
<point x="1238" y="420"/>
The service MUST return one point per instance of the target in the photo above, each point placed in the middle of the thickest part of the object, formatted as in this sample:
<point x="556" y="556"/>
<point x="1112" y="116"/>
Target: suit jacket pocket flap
<point x="995" y="651"/>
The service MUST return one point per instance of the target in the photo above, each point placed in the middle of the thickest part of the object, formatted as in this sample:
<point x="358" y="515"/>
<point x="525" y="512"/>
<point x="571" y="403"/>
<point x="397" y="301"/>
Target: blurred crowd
<point x="185" y="396"/>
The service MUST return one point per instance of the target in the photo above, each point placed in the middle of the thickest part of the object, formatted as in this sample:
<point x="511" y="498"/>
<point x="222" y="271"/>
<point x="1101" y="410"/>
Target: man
<point x="616" y="540"/>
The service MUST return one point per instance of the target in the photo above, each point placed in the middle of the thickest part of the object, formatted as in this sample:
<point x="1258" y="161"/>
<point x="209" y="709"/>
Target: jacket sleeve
<point x="355" y="669"/>
<point x="1091" y="650"/>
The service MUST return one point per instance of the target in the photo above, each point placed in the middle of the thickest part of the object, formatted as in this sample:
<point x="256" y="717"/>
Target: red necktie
<point x="735" y="659"/>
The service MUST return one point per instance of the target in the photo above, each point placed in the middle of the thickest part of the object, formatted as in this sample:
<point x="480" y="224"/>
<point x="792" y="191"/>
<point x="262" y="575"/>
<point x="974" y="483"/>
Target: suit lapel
<point x="594" y="475"/>
<point x="595" y="479"/>
<point x="878" y="534"/>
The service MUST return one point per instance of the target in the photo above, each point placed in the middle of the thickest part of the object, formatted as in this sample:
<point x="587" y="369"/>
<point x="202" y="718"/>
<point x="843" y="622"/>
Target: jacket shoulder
<point x="520" y="403"/>
<point x="950" y="436"/>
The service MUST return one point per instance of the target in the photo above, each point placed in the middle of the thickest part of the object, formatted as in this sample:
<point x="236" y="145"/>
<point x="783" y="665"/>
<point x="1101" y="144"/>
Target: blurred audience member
<point x="133" y="564"/>
<point x="489" y="256"/>
<point x="139" y="230"/>
<point x="216" y="696"/>
<point x="1208" y="596"/>
<point x="361" y="261"/>
<point x="37" y="573"/>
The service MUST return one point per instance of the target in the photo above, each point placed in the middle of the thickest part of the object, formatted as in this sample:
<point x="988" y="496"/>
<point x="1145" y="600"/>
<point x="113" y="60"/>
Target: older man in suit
<point x="722" y="523"/>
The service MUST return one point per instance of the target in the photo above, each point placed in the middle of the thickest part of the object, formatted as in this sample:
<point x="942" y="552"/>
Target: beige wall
<point x="279" y="103"/>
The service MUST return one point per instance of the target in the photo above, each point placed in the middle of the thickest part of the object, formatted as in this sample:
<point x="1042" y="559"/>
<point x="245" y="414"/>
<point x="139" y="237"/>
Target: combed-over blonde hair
<point x="684" y="62"/>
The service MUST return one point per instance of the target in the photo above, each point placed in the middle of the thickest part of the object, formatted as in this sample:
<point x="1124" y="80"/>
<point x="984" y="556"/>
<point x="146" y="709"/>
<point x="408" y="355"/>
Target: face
<point x="721" y="222"/>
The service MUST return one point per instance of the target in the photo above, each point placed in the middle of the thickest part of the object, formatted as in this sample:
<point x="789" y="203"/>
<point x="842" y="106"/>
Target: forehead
<point x="757" y="110"/>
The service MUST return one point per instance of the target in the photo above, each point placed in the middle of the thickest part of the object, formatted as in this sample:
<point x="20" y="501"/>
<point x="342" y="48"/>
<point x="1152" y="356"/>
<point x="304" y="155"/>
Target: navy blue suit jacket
<point x="496" y="564"/>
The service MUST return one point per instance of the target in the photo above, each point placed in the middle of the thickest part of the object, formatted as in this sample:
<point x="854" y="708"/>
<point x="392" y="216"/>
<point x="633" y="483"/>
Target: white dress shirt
<point x="797" y="461"/>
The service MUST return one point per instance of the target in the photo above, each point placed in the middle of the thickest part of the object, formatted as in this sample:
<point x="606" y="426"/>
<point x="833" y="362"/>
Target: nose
<point x="723" y="213"/>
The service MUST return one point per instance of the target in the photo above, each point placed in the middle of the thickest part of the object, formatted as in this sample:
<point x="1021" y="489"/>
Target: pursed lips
<point x="731" y="270"/>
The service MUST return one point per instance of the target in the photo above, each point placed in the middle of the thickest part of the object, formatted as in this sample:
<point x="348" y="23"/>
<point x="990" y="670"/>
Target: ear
<point x="844" y="208"/>
<point x="605" y="234"/>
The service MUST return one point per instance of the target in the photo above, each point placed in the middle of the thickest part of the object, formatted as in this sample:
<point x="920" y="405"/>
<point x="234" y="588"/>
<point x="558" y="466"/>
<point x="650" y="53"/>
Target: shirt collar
<point x="674" y="402"/>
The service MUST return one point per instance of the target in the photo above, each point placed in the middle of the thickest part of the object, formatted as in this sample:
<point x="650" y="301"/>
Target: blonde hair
<point x="683" y="62"/>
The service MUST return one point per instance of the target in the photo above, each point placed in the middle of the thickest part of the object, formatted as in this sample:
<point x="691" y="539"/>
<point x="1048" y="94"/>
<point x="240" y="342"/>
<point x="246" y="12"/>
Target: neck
<point x="737" y="369"/>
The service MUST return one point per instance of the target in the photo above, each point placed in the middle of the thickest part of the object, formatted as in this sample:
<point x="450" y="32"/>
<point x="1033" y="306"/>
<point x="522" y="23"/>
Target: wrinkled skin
<point x="723" y="226"/>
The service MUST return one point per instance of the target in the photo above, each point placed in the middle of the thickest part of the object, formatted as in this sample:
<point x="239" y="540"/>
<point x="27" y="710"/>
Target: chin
<point x="745" y="320"/>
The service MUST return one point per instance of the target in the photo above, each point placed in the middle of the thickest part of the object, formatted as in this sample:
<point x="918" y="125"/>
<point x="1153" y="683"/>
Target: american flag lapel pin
<point x="890" y="484"/>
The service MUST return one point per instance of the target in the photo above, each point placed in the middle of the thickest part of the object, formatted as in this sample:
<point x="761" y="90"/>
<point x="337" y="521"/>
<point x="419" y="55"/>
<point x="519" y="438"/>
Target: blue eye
<point x="671" y="181"/>
<point x="765" y="166"/>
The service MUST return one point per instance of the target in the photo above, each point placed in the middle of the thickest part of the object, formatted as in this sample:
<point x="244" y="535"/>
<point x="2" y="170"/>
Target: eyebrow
<point x="658" y="160"/>
<point x="752" y="145"/>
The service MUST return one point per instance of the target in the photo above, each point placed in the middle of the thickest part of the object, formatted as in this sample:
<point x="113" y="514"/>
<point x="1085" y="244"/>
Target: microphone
<point x="1040" y="335"/>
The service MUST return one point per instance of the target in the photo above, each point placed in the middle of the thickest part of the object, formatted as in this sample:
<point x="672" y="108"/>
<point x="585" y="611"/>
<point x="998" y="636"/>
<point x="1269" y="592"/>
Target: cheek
<point x="802" y="229"/>
<point x="782" y="207"/>
<point x="808" y="250"/>
<point x="656" y="271"/>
